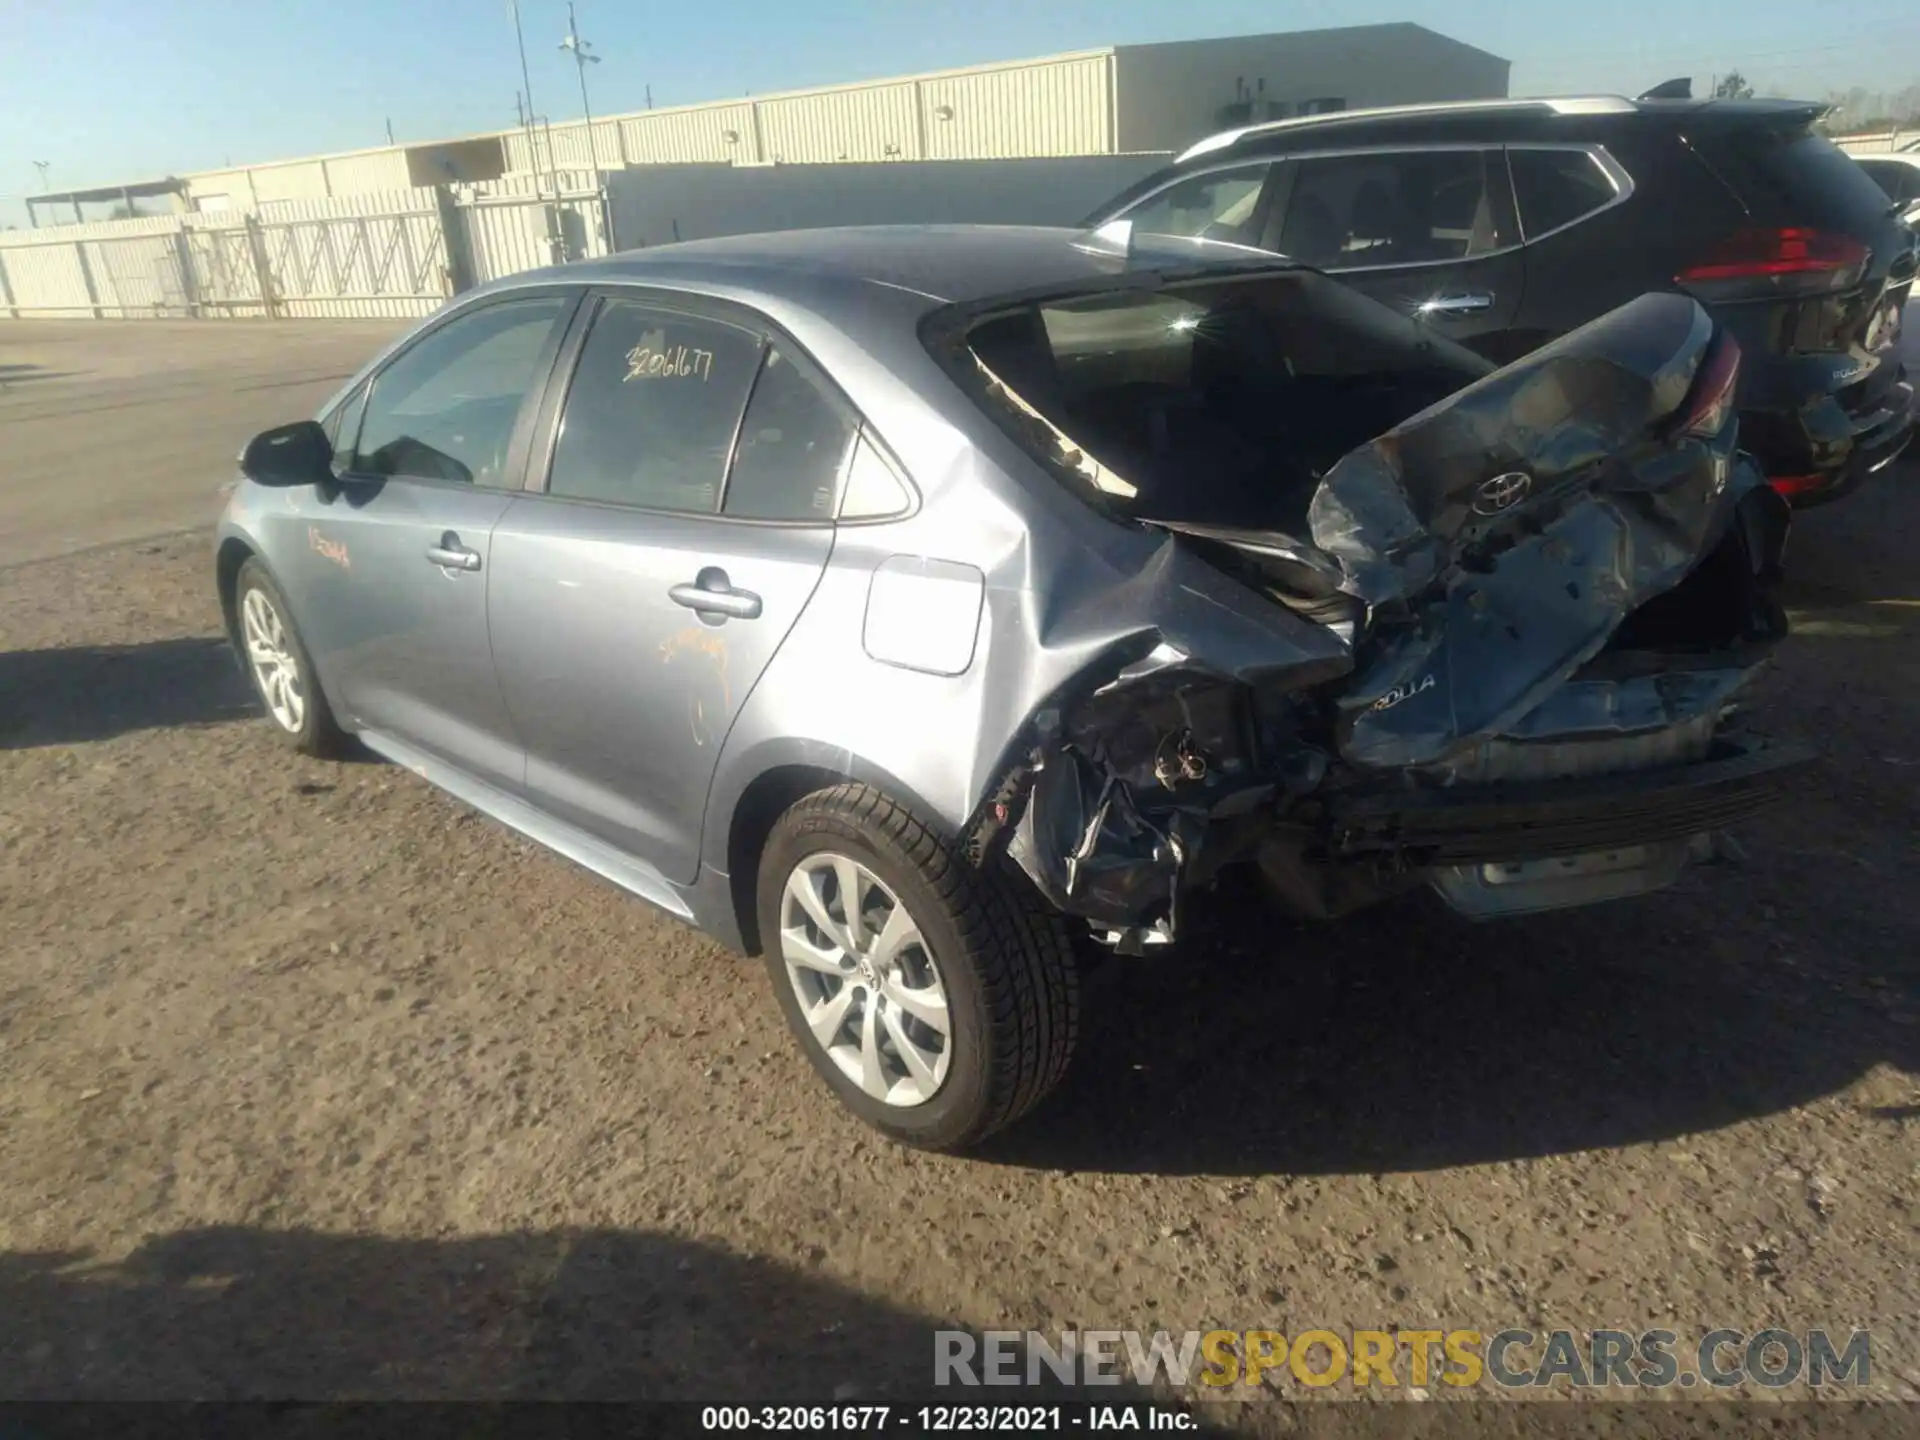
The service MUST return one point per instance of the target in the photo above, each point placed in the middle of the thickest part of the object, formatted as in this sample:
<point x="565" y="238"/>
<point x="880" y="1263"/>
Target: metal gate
<point x="223" y="269"/>
<point x="379" y="254"/>
<point x="529" y="222"/>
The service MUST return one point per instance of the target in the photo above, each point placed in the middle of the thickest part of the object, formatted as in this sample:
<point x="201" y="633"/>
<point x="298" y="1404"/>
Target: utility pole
<point x="555" y="244"/>
<point x="581" y="51"/>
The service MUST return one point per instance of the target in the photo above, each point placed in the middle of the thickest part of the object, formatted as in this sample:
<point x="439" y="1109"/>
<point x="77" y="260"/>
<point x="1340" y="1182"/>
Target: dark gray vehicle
<point x="916" y="606"/>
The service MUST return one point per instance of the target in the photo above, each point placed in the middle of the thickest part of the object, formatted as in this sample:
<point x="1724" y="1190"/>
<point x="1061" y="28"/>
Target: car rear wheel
<point x="277" y="664"/>
<point x="939" y="1002"/>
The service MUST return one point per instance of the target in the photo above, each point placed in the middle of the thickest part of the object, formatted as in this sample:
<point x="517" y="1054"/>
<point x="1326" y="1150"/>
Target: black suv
<point x="1506" y="223"/>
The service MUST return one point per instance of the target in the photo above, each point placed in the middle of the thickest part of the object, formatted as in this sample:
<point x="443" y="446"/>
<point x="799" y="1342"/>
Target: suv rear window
<point x="1790" y="176"/>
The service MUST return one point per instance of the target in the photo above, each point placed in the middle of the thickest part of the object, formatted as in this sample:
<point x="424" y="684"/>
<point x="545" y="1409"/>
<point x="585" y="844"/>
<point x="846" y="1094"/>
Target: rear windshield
<point x="1790" y="176"/>
<point x="1219" y="401"/>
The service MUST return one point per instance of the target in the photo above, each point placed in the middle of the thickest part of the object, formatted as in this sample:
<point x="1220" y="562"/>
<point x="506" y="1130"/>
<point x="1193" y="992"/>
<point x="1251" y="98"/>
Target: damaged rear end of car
<point x="1404" y="620"/>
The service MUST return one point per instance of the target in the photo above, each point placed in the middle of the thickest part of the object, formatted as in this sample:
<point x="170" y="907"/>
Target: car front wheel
<point x="939" y="1002"/>
<point x="278" y="665"/>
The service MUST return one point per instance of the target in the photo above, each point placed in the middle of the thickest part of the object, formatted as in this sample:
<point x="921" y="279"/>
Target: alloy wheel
<point x="868" y="987"/>
<point x="276" y="668"/>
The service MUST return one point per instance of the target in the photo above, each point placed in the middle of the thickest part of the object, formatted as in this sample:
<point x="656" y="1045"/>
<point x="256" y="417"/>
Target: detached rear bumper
<point x="1512" y="847"/>
<point x="1533" y="819"/>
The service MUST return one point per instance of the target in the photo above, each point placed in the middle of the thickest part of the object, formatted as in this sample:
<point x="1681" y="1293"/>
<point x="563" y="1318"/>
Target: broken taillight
<point x="1792" y="260"/>
<point x="1711" y="401"/>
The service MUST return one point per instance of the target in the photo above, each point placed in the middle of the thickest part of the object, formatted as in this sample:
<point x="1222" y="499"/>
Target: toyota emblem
<point x="1502" y="492"/>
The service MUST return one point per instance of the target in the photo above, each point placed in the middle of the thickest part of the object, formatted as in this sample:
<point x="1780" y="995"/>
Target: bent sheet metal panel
<point x="1610" y="522"/>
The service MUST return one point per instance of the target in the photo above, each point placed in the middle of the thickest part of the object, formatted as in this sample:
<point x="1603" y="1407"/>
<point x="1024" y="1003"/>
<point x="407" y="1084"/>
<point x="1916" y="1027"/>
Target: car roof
<point x="1535" y="118"/>
<point x="940" y="264"/>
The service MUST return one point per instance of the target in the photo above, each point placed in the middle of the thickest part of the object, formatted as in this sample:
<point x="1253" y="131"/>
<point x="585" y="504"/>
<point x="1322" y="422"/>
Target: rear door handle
<point x="1455" y="304"/>
<point x="450" y="554"/>
<point x="712" y="594"/>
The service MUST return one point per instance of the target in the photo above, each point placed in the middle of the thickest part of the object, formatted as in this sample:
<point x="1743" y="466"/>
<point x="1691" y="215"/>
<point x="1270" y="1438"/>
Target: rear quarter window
<point x="1554" y="188"/>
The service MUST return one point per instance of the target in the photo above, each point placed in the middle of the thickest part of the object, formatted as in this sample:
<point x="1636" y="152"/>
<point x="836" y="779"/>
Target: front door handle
<point x="712" y="595"/>
<point x="450" y="554"/>
<point x="1455" y="304"/>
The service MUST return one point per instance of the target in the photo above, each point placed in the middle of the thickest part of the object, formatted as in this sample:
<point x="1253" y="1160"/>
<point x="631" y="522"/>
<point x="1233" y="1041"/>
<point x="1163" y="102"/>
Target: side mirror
<point x="296" y="454"/>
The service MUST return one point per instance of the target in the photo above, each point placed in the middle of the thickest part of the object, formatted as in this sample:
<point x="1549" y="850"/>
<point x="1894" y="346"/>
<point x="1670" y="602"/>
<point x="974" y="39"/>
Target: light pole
<point x="33" y="216"/>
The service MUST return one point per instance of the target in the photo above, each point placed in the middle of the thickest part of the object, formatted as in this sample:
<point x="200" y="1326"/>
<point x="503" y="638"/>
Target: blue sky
<point x="110" y="90"/>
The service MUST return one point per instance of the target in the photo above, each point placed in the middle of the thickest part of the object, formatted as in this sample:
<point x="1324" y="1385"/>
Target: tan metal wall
<point x="873" y="123"/>
<point x="310" y="179"/>
<point x="678" y="137"/>
<point x="1168" y="96"/>
<point x="1059" y="106"/>
<point x="1016" y="112"/>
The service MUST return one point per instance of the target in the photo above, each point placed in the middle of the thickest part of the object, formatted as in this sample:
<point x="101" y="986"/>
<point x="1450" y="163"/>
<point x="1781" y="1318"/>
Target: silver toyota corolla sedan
<point x="921" y="608"/>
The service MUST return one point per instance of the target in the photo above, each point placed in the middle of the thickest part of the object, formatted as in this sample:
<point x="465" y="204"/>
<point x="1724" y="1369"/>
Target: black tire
<point x="318" y="733"/>
<point x="1013" y="991"/>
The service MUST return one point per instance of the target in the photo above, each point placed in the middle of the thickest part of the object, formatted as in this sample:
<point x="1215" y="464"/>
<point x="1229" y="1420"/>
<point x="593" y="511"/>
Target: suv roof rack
<point x="1560" y="105"/>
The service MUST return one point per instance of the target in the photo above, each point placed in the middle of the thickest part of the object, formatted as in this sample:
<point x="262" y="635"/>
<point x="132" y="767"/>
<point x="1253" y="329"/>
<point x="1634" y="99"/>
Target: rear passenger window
<point x="1557" y="187"/>
<point x="1217" y="206"/>
<point x="1355" y="211"/>
<point x="655" y="404"/>
<point x="793" y="447"/>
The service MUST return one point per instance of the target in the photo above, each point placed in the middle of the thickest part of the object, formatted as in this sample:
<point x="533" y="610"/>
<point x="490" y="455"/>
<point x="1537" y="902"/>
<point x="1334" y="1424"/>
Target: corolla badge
<point x="1502" y="492"/>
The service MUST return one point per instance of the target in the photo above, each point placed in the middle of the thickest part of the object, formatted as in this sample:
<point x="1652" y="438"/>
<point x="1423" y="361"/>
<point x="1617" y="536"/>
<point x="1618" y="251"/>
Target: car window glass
<point x="1420" y="207"/>
<point x="1892" y="176"/>
<point x="1218" y="206"/>
<point x="445" y="410"/>
<point x="654" y="406"/>
<point x="343" y="424"/>
<point x="874" y="491"/>
<point x="1557" y="187"/>
<point x="793" y="447"/>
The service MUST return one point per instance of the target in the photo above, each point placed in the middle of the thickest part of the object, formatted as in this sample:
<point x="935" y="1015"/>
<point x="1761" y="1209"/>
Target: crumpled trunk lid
<point x="1500" y="538"/>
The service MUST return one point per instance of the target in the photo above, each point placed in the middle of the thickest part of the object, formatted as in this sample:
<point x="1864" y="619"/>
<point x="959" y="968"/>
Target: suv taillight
<point x="1792" y="260"/>
<point x="1711" y="400"/>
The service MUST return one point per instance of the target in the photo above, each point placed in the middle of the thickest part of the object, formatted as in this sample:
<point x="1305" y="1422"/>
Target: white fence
<point x="1880" y="144"/>
<point x="392" y="253"/>
<point x="402" y="253"/>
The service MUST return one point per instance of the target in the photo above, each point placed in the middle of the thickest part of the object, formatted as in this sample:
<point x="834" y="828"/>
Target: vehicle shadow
<point x="238" y="1313"/>
<point x="15" y="374"/>
<point x="82" y="693"/>
<point x="1407" y="1039"/>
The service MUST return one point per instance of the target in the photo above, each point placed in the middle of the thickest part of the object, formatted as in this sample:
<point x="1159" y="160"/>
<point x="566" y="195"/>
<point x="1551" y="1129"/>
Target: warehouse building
<point x="1118" y="100"/>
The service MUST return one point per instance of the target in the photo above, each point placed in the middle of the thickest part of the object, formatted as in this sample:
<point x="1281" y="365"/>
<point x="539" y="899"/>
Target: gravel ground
<point x="314" y="1083"/>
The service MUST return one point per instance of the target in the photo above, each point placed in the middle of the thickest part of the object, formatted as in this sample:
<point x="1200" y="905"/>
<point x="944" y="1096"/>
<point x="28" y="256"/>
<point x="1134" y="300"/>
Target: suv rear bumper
<point x="1823" y="451"/>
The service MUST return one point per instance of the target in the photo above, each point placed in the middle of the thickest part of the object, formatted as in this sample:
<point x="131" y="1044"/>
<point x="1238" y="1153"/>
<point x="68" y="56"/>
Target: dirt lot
<point x="314" y="1083"/>
<point x="117" y="431"/>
